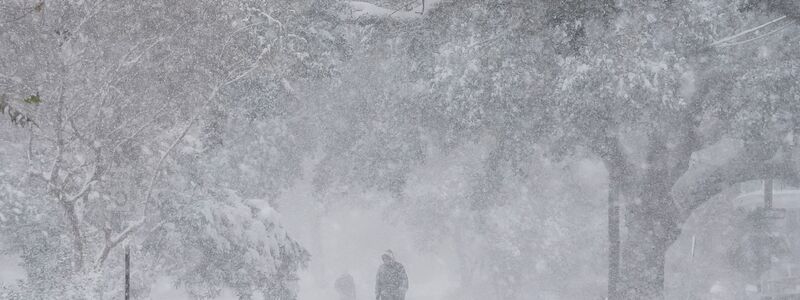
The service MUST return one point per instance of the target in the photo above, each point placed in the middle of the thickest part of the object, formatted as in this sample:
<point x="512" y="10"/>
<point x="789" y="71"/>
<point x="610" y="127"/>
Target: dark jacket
<point x="391" y="282"/>
<point x="346" y="287"/>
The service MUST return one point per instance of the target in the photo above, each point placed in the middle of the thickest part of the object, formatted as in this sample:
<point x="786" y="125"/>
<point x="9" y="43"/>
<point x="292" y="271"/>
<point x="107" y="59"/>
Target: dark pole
<point x="613" y="242"/>
<point x="768" y="193"/>
<point x="127" y="272"/>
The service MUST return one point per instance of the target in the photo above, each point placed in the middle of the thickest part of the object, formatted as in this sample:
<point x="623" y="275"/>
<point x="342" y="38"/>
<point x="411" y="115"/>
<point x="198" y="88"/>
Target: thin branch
<point x="136" y="59"/>
<point x="138" y="131"/>
<point x="96" y="170"/>
<point x="77" y="28"/>
<point x="111" y="243"/>
<point x="86" y="186"/>
<point x="59" y="140"/>
<point x="253" y="66"/>
<point x="30" y="12"/>
<point x="154" y="177"/>
<point x="405" y="6"/>
<point x="156" y="171"/>
<point x="232" y="34"/>
<point x="497" y="36"/>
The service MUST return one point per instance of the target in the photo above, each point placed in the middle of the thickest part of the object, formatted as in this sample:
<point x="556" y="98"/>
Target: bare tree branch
<point x="111" y="243"/>
<point x="705" y="180"/>
<point x="156" y="171"/>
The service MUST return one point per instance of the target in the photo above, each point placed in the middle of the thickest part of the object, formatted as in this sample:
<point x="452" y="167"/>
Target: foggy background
<point x="259" y="149"/>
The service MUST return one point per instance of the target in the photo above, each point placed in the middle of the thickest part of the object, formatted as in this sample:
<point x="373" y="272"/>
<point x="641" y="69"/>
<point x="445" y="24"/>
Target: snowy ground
<point x="352" y="240"/>
<point x="10" y="271"/>
<point x="345" y="240"/>
<point x="354" y="243"/>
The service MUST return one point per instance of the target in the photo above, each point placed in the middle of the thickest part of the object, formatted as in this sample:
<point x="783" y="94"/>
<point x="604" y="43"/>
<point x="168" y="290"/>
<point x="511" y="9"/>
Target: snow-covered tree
<point x="119" y="157"/>
<point x="644" y="86"/>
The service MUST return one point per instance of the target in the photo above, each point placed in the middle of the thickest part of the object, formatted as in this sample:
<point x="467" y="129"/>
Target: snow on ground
<point x="362" y="9"/>
<point x="344" y="240"/>
<point x="352" y="240"/>
<point x="10" y="270"/>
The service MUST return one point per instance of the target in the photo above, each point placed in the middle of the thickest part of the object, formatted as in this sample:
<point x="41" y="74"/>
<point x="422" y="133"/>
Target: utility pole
<point x="768" y="193"/>
<point x="127" y="272"/>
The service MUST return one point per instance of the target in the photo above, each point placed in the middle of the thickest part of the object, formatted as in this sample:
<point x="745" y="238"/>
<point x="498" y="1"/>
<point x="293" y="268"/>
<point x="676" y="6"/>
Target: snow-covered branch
<point x="254" y="65"/>
<point x="111" y="242"/>
<point x="153" y="117"/>
<point x="17" y="117"/>
<point x="96" y="170"/>
<point x="160" y="162"/>
<point x="86" y="186"/>
<point x="732" y="163"/>
<point x="366" y="12"/>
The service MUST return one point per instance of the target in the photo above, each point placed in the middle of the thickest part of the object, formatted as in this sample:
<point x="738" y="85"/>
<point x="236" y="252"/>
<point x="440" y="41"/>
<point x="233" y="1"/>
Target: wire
<point x="756" y="38"/>
<point x="735" y="36"/>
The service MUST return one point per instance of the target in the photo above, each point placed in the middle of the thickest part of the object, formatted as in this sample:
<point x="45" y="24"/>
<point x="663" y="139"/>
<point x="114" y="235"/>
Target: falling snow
<point x="394" y="149"/>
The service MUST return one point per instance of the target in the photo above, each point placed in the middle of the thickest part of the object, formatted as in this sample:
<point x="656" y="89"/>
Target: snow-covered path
<point x="352" y="240"/>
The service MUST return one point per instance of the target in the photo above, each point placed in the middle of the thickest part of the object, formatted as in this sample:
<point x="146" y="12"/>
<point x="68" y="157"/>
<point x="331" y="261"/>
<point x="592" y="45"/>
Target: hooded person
<point x="346" y="287"/>
<point x="392" y="281"/>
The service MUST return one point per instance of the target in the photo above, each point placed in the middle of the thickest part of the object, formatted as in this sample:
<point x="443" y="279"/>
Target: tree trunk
<point x="651" y="220"/>
<point x="77" y="238"/>
<point x="613" y="242"/>
<point x="643" y="264"/>
<point x="127" y="272"/>
<point x="652" y="227"/>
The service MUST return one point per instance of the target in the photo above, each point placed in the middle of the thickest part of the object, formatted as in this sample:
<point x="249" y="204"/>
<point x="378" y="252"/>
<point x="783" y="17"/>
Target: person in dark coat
<point x="392" y="281"/>
<point x="346" y="287"/>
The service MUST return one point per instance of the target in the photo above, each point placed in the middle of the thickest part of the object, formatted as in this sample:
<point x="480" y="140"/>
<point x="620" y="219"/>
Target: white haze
<point x="502" y="150"/>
